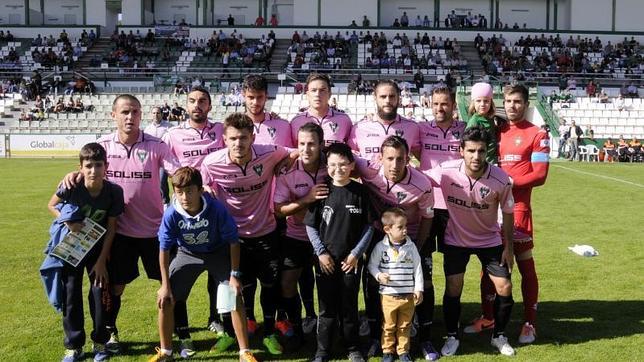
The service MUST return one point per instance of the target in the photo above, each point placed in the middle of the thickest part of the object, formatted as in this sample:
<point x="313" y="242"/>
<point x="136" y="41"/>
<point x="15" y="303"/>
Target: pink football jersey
<point x="245" y="190"/>
<point x="273" y="131"/>
<point x="367" y="136"/>
<point x="292" y="185"/>
<point x="136" y="170"/>
<point x="473" y="205"/>
<point x="438" y="146"/>
<point x="335" y="124"/>
<point x="413" y="193"/>
<point x="191" y="145"/>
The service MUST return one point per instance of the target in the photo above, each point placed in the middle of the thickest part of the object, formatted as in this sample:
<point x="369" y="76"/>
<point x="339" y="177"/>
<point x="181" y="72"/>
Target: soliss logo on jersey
<point x="334" y="126"/>
<point x="258" y="169"/>
<point x="484" y="191"/>
<point x="141" y="154"/>
<point x="271" y="131"/>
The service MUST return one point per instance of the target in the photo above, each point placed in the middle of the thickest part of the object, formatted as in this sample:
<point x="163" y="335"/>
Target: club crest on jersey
<point x="258" y="169"/>
<point x="400" y="133"/>
<point x="142" y="155"/>
<point x="327" y="213"/>
<point x="484" y="191"/>
<point x="213" y="136"/>
<point x="517" y="141"/>
<point x="333" y="126"/>
<point x="271" y="131"/>
<point x="456" y="135"/>
<point x="400" y="196"/>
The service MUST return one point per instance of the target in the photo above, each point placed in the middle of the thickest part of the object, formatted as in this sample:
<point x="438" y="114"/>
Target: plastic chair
<point x="583" y="152"/>
<point x="593" y="152"/>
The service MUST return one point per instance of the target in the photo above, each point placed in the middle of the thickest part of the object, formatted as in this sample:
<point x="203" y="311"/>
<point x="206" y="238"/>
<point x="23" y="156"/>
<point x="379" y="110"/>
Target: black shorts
<point x="124" y="259"/>
<point x="296" y="254"/>
<point x="426" y="260"/>
<point x="186" y="267"/>
<point x="436" y="238"/>
<point x="260" y="259"/>
<point x="456" y="259"/>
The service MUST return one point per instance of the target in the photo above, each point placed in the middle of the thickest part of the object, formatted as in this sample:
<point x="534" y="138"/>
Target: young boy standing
<point x="207" y="240"/>
<point x="102" y="202"/>
<point x="339" y="228"/>
<point x="395" y="263"/>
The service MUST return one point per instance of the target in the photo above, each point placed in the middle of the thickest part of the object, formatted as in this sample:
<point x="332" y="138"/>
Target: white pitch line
<point x="601" y="176"/>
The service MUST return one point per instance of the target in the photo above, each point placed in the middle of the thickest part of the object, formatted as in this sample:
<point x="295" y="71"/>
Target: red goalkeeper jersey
<point x="523" y="154"/>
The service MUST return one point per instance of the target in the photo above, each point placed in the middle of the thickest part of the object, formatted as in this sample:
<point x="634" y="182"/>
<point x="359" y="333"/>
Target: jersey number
<point x="201" y="238"/>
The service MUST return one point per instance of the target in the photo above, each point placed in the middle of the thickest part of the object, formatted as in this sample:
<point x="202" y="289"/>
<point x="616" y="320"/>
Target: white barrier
<point x="44" y="145"/>
<point x="3" y="144"/>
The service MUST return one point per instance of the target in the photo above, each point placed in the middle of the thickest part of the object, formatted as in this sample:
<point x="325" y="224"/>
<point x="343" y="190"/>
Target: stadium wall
<point x="64" y="12"/>
<point x="12" y="12"/>
<point x="529" y="12"/>
<point x="244" y="11"/>
<point x="337" y="13"/>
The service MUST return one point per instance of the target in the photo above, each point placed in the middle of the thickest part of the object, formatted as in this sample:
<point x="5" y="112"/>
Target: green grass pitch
<point x="590" y="308"/>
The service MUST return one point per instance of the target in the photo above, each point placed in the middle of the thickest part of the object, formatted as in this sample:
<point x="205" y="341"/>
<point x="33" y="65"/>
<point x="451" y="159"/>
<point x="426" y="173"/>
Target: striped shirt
<point x="401" y="262"/>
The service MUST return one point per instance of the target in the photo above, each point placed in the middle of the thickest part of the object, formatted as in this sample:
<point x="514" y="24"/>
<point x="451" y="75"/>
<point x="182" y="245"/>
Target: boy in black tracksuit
<point x="339" y="228"/>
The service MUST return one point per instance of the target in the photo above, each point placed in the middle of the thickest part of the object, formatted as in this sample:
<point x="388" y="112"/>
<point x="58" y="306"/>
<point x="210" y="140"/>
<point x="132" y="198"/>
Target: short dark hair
<point x="386" y="82"/>
<point x="517" y="88"/>
<point x="340" y="149"/>
<point x="387" y="218"/>
<point x="201" y="89"/>
<point x="318" y="76"/>
<point x="255" y="82"/>
<point x="444" y="90"/>
<point x="395" y="142"/>
<point x="127" y="97"/>
<point x="314" y="128"/>
<point x="92" y="152"/>
<point x="475" y="134"/>
<point x="187" y="176"/>
<point x="239" y="120"/>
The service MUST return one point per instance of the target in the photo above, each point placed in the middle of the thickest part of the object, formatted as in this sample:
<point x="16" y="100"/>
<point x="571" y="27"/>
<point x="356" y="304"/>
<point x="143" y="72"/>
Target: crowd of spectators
<point x="408" y="57"/>
<point x="321" y="51"/>
<point x="547" y="55"/>
<point x="236" y="50"/>
<point x="470" y="21"/>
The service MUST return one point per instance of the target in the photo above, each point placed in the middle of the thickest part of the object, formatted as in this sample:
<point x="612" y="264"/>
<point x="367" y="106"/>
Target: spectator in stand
<point x="230" y="20"/>
<point x="274" y="21"/>
<point x="178" y="88"/>
<point x="425" y="101"/>
<point x="396" y="23"/>
<point x="632" y="90"/>
<point x="177" y="113"/>
<point x="619" y="102"/>
<point x="426" y="22"/>
<point x="404" y="20"/>
<point x="610" y="153"/>
<point x="622" y="148"/>
<point x="634" y="150"/>
<point x="603" y="97"/>
<point x="365" y="22"/>
<point x="259" y="21"/>
<point x="591" y="89"/>
<point x="418" y="22"/>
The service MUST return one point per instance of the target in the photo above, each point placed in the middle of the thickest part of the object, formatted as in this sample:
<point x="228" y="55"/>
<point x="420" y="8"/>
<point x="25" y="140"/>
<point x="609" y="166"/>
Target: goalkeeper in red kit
<point x="523" y="154"/>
